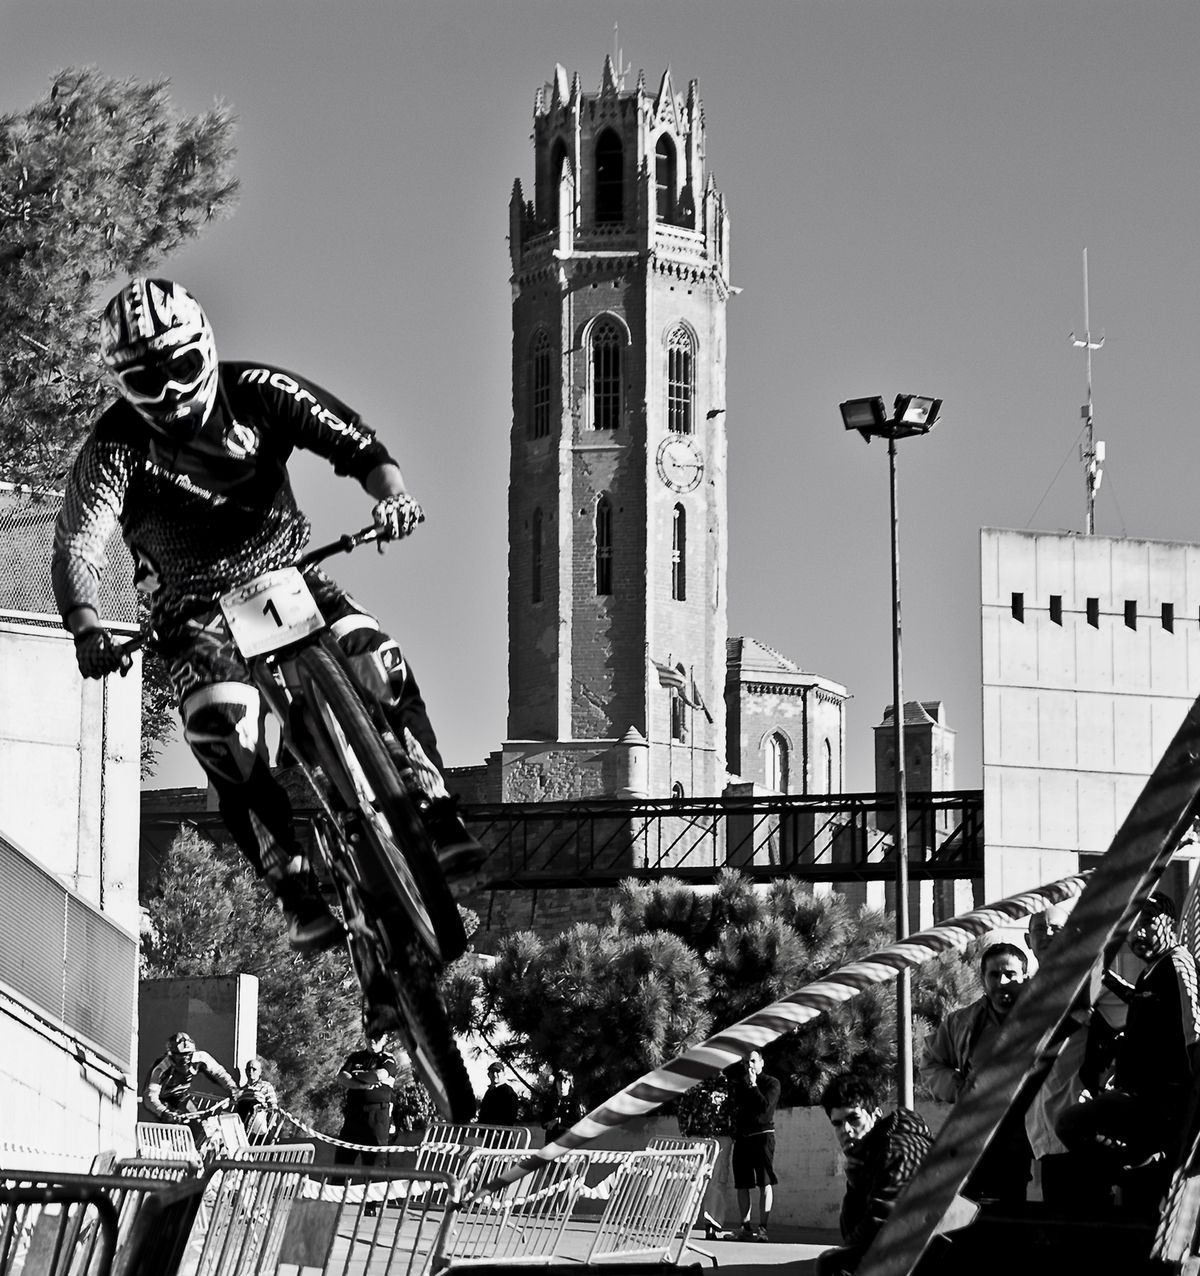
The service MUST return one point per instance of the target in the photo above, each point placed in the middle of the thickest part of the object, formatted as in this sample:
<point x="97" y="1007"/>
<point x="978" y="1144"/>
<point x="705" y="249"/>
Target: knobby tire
<point x="412" y="969"/>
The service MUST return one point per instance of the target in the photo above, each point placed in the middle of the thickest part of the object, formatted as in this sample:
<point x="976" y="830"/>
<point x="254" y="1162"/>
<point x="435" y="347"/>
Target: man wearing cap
<point x="169" y="1087"/>
<point x="1137" y="1124"/>
<point x="499" y="1105"/>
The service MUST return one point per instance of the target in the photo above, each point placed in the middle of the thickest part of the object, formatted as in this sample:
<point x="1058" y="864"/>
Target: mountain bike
<point x="402" y="924"/>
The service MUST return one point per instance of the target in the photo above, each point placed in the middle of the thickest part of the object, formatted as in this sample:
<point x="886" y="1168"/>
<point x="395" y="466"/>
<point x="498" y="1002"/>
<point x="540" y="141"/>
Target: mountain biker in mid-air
<point x="191" y="463"/>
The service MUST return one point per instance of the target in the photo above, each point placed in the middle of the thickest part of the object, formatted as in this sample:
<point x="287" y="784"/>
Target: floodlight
<point x="867" y="416"/>
<point x="917" y="412"/>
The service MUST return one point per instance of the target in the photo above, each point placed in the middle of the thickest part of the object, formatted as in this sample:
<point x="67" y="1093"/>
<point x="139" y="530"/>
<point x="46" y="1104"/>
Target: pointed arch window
<point x="610" y="179"/>
<point x="827" y="750"/>
<point x="607" y="349"/>
<point x="558" y="157"/>
<point x="679" y="554"/>
<point x="680" y="363"/>
<point x="540" y="388"/>
<point x="664" y="178"/>
<point x="535" y="557"/>
<point x="776" y="776"/>
<point x="604" y="546"/>
<point x="678" y="717"/>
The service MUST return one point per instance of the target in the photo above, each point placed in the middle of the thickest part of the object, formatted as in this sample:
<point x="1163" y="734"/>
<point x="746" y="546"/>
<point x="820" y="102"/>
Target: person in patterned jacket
<point x="190" y="462"/>
<point x="882" y="1154"/>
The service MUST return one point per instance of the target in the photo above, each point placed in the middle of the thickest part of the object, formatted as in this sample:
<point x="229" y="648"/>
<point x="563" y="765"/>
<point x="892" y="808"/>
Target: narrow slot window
<point x="1130" y="613"/>
<point x="1093" y="612"/>
<point x="1018" y="607"/>
<point x="1056" y="608"/>
<point x="1168" y="617"/>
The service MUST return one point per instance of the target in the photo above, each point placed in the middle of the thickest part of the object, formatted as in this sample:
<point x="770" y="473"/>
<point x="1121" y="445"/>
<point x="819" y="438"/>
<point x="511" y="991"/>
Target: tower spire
<point x="1091" y="453"/>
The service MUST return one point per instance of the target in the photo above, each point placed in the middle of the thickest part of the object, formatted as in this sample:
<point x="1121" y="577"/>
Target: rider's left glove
<point x="397" y="516"/>
<point x="97" y="655"/>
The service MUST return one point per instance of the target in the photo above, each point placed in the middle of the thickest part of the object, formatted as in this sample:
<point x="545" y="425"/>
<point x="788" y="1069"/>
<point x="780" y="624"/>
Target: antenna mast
<point x="1091" y="453"/>
<point x="621" y="68"/>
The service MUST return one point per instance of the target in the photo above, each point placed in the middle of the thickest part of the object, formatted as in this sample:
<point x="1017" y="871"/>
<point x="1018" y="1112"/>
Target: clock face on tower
<point x="680" y="463"/>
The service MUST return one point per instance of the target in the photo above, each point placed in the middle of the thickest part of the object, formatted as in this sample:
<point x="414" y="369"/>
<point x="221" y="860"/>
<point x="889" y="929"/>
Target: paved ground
<point x="792" y="1247"/>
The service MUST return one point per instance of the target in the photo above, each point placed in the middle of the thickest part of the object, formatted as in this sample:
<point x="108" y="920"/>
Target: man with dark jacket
<point x="754" y="1096"/>
<point x="882" y="1154"/>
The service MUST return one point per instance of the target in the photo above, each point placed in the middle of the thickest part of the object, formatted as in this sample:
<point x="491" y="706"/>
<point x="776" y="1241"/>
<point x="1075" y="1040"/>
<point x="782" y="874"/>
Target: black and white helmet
<point x="158" y="347"/>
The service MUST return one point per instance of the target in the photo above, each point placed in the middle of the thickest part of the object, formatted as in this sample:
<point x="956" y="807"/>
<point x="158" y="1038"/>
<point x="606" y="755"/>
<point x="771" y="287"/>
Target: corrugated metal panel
<point x="66" y="958"/>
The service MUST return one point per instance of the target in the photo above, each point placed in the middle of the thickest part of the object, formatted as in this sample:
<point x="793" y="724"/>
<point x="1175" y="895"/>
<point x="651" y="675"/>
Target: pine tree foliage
<point x="570" y="1010"/>
<point x="597" y="1003"/>
<point x="212" y="917"/>
<point x="99" y="180"/>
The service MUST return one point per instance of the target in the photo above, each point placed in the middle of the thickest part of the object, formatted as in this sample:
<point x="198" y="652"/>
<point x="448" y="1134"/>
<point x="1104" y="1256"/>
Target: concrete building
<point x="69" y="790"/>
<point x="1091" y="659"/>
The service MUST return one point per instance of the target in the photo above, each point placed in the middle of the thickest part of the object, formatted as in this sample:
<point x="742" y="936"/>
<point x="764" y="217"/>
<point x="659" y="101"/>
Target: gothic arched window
<point x="610" y="179"/>
<point x="679" y="381"/>
<point x="604" y="546"/>
<point x="607" y="345"/>
<point x="540" y="387"/>
<point x="664" y="178"/>
<point x="776" y="776"/>
<point x="827" y="751"/>
<point x="535" y="557"/>
<point x="679" y="553"/>
<point x="558" y="157"/>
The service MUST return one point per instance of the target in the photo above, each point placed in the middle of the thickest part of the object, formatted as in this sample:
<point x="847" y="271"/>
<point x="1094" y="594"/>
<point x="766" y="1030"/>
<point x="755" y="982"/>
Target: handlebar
<point x="343" y="545"/>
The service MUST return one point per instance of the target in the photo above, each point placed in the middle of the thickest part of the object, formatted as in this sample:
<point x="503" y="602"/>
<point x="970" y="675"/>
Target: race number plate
<point x="271" y="611"/>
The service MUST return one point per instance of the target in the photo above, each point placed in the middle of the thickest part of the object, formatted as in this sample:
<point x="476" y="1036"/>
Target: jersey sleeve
<point x="310" y="418"/>
<point x="90" y="514"/>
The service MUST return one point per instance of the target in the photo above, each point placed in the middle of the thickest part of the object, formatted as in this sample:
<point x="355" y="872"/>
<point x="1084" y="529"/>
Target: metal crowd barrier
<point x="162" y="1142"/>
<point x="257" y="1218"/>
<point x="651" y="1206"/>
<point x="80" y="1224"/>
<point x="520" y="1222"/>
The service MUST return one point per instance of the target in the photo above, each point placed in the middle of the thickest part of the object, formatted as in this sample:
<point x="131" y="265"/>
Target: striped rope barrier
<point x="713" y="1056"/>
<point x="339" y="1143"/>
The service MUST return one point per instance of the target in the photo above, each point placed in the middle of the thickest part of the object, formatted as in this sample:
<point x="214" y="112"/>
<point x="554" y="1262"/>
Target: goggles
<point x="178" y="372"/>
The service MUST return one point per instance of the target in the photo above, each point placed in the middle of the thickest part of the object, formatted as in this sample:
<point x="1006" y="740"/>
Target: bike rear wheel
<point x="361" y="768"/>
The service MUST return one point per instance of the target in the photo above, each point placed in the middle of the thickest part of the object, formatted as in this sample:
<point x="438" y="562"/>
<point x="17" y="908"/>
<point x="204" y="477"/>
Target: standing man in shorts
<point x="755" y="1094"/>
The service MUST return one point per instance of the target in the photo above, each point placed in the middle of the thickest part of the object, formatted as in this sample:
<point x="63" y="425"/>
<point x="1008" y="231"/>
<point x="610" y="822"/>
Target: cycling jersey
<point x="201" y="516"/>
<point x="169" y="1085"/>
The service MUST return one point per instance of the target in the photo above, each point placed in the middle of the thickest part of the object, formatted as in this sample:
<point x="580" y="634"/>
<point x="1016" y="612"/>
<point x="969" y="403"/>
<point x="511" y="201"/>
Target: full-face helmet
<point x="181" y="1047"/>
<point x="158" y="347"/>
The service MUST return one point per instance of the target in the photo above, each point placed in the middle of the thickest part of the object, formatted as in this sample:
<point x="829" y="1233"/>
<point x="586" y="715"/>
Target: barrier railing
<point x="53" y="1230"/>
<point x="258" y="1217"/>
<point x="521" y="1222"/>
<point x="651" y="1203"/>
<point x="693" y="1211"/>
<point x="163" y="1142"/>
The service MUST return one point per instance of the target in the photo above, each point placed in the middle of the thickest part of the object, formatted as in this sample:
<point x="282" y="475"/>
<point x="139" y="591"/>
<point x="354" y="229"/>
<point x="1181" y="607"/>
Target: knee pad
<point x="375" y="659"/>
<point x="223" y="725"/>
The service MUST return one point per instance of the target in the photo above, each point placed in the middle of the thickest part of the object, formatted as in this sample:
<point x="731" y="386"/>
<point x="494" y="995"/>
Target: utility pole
<point x="1091" y="453"/>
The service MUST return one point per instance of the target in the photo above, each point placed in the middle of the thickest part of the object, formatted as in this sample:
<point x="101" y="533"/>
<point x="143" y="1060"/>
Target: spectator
<point x="369" y="1078"/>
<point x="753" y="1096"/>
<point x="169" y="1095"/>
<point x="1069" y="1181"/>
<point x="499" y="1104"/>
<point x="882" y="1154"/>
<point x="564" y="1108"/>
<point x="952" y="1058"/>
<point x="1136" y="1126"/>
<point x="257" y="1103"/>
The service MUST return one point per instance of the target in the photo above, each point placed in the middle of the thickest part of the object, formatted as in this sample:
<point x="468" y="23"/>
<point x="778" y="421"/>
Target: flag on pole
<point x="668" y="676"/>
<point x="693" y="699"/>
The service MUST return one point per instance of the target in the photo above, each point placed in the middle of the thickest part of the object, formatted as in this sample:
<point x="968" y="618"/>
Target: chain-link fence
<point x="26" y="539"/>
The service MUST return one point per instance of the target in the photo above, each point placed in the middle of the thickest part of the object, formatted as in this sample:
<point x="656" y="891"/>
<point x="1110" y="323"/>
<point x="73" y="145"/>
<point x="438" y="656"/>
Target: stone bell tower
<point x="617" y="487"/>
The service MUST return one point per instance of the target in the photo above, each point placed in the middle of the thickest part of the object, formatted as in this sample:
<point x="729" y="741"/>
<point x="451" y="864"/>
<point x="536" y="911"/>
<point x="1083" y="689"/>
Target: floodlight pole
<point x="904" y="1044"/>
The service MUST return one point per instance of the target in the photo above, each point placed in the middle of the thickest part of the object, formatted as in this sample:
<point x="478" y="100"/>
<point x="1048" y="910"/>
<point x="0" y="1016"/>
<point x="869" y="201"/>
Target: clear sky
<point x="911" y="185"/>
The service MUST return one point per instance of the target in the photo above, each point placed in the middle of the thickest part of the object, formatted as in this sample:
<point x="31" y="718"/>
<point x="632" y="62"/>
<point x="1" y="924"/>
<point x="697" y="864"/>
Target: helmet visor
<point x="178" y="373"/>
